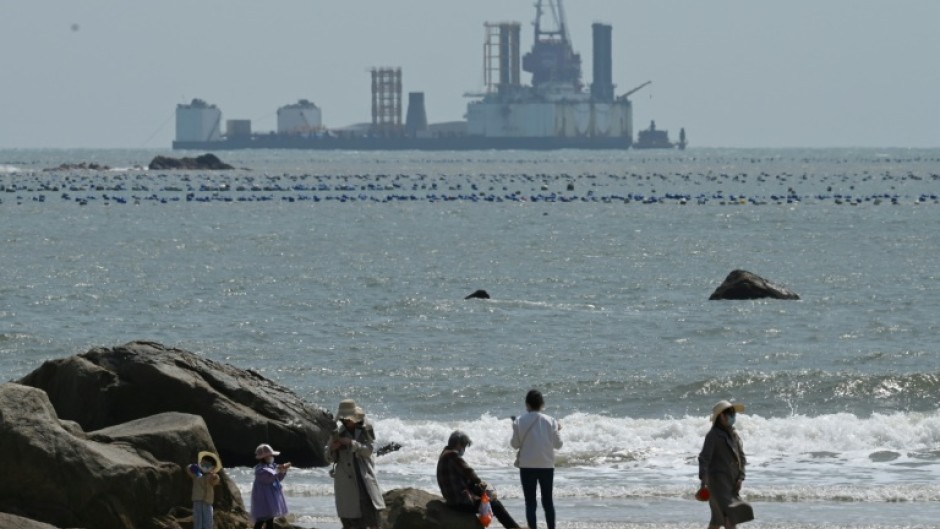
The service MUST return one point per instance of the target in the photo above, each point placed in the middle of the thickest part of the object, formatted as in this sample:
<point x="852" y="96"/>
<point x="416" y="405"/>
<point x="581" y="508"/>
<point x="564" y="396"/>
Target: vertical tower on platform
<point x="602" y="87"/>
<point x="501" y="64"/>
<point x="386" y="101"/>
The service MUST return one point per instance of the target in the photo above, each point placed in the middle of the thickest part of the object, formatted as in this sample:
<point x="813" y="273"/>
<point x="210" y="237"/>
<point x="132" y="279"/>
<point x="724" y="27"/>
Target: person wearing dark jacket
<point x="460" y="485"/>
<point x="721" y="468"/>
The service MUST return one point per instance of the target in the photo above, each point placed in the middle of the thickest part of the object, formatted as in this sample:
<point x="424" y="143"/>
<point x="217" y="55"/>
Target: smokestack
<point x="602" y="88"/>
<point x="417" y="119"/>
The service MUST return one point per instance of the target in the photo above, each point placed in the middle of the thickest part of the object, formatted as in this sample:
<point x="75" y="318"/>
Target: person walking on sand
<point x="358" y="496"/>
<point x="460" y="486"/>
<point x="267" y="495"/>
<point x="536" y="436"/>
<point x="721" y="468"/>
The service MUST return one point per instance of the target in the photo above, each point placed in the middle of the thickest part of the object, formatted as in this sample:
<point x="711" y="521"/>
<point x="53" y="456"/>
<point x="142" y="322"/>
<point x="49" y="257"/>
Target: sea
<point x="343" y="275"/>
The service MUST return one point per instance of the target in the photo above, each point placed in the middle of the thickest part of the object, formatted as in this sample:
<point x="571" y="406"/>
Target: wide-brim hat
<point x="724" y="405"/>
<point x="349" y="410"/>
<point x="211" y="455"/>
<point x="265" y="450"/>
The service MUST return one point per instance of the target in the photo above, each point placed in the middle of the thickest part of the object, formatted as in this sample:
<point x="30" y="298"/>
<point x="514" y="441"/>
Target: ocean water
<point x="342" y="275"/>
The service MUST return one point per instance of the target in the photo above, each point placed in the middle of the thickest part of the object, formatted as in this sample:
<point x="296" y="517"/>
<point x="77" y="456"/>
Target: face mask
<point x="731" y="420"/>
<point x="461" y="452"/>
<point x="206" y="468"/>
<point x="269" y="459"/>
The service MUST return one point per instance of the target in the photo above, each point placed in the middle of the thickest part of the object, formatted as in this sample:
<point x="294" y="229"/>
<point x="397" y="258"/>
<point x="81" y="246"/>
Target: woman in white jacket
<point x="536" y="435"/>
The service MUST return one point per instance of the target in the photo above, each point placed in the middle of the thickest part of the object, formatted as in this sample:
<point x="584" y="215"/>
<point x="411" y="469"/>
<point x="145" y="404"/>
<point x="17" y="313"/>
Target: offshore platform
<point x="555" y="111"/>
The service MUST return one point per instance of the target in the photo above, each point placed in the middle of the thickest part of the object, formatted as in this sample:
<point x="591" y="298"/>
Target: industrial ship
<point x="556" y="111"/>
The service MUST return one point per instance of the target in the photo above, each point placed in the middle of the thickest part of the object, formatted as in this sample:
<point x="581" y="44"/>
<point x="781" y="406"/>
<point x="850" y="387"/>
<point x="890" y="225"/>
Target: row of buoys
<point x="118" y="181"/>
<point x="633" y="186"/>
<point x="630" y="198"/>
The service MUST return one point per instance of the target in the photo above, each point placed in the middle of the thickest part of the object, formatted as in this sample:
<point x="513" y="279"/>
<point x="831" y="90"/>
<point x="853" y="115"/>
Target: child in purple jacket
<point x="267" y="497"/>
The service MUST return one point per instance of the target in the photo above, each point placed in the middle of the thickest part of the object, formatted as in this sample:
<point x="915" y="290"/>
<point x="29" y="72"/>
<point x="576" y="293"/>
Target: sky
<point x="733" y="73"/>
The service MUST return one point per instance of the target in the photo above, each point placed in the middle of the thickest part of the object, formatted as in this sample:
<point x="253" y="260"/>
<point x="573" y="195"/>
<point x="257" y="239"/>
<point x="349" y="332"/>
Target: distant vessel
<point x="653" y="138"/>
<point x="554" y="112"/>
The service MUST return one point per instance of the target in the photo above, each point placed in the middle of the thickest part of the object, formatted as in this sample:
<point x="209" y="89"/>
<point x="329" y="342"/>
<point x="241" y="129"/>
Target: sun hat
<point x="349" y="410"/>
<point x="724" y="405"/>
<point x="265" y="450"/>
<point x="211" y="455"/>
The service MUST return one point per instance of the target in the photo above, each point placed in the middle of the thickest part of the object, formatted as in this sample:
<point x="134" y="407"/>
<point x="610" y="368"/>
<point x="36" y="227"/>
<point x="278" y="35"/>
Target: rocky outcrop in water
<point x="130" y="476"/>
<point x="478" y="294"/>
<point x="741" y="284"/>
<point x="416" y="509"/>
<point x="83" y="166"/>
<point x="109" y="386"/>
<point x="205" y="162"/>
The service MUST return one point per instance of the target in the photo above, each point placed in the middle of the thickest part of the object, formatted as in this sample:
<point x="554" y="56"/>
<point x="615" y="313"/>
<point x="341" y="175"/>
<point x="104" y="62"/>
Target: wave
<point x="594" y="440"/>
<point x="835" y="458"/>
<point x="9" y="169"/>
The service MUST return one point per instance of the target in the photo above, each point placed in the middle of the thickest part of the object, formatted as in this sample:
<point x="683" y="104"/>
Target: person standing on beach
<point x="358" y="496"/>
<point x="721" y="468"/>
<point x="205" y="476"/>
<point x="267" y="496"/>
<point x="460" y="486"/>
<point x="536" y="436"/>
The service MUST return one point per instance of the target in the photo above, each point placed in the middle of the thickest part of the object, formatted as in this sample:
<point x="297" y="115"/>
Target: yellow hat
<point x="206" y="454"/>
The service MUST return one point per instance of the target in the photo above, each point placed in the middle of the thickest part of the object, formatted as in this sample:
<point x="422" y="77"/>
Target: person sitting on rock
<point x="460" y="485"/>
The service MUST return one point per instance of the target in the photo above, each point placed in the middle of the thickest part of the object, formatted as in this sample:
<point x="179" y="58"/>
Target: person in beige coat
<point x="358" y="496"/>
<point x="722" y="468"/>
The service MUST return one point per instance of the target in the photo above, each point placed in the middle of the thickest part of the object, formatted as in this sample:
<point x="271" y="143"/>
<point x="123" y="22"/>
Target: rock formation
<point x="415" y="509"/>
<point x="741" y="284"/>
<point x="105" y="387"/>
<point x="203" y="162"/>
<point x="83" y="166"/>
<point x="128" y="477"/>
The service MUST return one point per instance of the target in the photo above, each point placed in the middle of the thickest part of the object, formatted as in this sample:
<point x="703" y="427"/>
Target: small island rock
<point x="741" y="284"/>
<point x="204" y="162"/>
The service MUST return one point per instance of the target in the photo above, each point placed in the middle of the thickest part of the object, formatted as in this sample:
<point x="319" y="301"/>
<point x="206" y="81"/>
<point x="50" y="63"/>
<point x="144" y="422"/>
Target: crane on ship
<point x="629" y="93"/>
<point x="552" y="59"/>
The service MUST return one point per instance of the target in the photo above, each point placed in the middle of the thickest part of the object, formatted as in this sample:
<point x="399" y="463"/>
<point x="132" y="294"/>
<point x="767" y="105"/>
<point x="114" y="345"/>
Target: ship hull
<point x="457" y="143"/>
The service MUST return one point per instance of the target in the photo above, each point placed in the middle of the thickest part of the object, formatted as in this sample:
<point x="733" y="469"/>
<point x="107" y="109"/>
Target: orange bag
<point x="486" y="510"/>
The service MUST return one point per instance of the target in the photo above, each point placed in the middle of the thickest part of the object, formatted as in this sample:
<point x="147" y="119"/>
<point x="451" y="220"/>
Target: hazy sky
<point x="734" y="73"/>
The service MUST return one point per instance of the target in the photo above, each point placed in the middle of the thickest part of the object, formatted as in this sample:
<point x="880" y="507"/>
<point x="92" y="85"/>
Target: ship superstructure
<point x="555" y="105"/>
<point x="555" y="111"/>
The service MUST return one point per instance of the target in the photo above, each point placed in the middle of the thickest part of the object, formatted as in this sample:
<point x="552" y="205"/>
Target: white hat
<point x="265" y="450"/>
<point x="724" y="405"/>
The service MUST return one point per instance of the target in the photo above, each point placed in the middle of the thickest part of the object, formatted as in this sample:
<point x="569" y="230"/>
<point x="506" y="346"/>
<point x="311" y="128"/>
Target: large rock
<point x="242" y="409"/>
<point x="177" y="438"/>
<point x="203" y="162"/>
<point x="741" y="284"/>
<point x="115" y="479"/>
<point x="10" y="521"/>
<point x="416" y="509"/>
